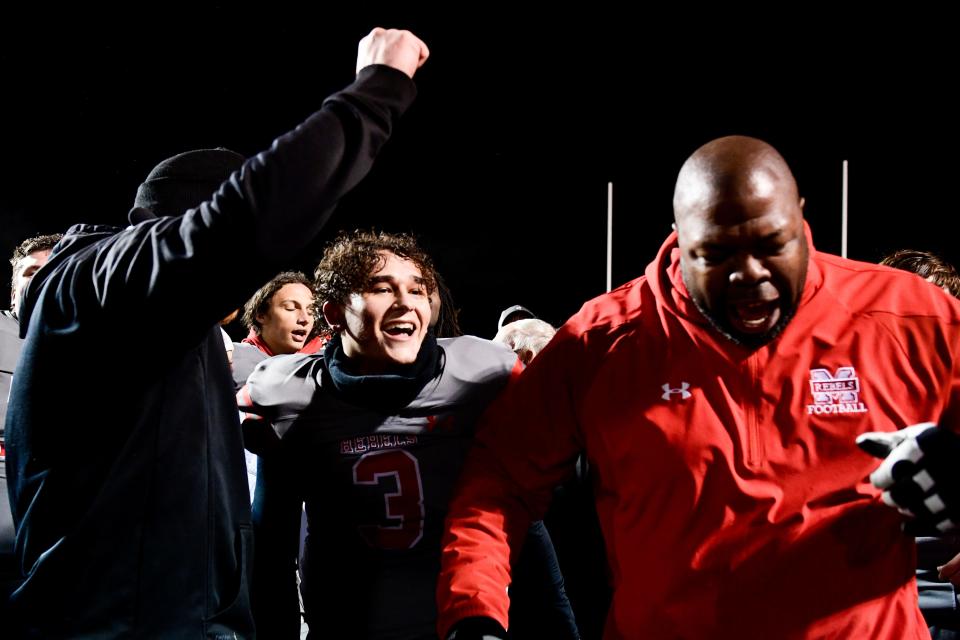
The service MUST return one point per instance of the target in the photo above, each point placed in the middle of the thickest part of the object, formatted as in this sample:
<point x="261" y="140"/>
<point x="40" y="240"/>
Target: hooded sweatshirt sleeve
<point x="206" y="262"/>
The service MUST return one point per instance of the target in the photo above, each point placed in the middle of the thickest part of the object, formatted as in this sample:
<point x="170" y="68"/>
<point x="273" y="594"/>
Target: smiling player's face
<point x="385" y="324"/>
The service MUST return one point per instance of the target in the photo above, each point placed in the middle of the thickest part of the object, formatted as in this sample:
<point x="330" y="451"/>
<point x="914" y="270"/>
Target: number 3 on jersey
<point x="402" y="522"/>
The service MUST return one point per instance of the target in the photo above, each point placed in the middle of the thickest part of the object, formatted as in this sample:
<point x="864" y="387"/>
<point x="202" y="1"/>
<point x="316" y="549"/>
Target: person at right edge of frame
<point x="126" y="471"/>
<point x="720" y="399"/>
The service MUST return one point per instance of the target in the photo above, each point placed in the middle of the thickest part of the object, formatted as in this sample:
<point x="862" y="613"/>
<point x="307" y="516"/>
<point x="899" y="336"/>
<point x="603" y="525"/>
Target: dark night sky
<point x="501" y="166"/>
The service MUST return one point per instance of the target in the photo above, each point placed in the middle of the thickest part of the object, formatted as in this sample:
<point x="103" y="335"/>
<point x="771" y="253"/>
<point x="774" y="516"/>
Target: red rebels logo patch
<point x="835" y="393"/>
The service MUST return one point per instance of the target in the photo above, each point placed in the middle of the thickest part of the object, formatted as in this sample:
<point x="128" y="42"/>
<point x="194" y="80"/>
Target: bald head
<point x="743" y="250"/>
<point x="731" y="168"/>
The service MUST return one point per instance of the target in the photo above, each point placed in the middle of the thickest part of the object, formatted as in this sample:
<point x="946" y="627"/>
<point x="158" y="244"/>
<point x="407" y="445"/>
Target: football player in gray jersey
<point x="371" y="435"/>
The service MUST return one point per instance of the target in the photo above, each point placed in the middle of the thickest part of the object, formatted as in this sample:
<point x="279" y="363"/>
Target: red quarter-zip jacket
<point x="733" y="500"/>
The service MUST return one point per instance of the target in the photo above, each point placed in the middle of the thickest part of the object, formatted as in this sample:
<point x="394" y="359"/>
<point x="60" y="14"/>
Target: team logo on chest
<point x="835" y="393"/>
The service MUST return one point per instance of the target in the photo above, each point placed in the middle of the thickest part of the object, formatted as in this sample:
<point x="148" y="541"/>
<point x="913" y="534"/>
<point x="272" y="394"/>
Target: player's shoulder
<point x="476" y="359"/>
<point x="248" y="353"/>
<point x="285" y="369"/>
<point x="9" y="325"/>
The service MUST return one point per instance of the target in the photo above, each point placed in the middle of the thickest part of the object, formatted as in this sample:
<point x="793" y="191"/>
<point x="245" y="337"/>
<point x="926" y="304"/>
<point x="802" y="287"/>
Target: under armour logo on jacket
<point x="682" y="390"/>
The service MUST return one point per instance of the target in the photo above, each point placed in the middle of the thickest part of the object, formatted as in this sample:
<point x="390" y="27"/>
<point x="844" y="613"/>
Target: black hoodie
<point x="125" y="460"/>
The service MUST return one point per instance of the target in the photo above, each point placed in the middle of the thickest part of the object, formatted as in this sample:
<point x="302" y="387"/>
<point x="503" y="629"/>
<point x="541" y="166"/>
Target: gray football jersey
<point x="376" y="486"/>
<point x="246" y="357"/>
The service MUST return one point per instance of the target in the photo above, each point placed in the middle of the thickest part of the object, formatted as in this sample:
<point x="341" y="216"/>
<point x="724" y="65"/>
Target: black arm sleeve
<point x="208" y="261"/>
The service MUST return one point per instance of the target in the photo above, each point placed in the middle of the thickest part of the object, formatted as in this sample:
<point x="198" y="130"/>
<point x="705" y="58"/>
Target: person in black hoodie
<point x="126" y="474"/>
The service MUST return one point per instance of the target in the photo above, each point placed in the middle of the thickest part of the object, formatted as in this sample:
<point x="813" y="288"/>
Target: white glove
<point x="919" y="475"/>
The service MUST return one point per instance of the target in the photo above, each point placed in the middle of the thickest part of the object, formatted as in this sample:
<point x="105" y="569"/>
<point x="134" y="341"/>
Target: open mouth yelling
<point x="754" y="316"/>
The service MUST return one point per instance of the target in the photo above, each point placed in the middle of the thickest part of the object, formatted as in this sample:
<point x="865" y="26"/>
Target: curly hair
<point x="928" y="266"/>
<point x="350" y="260"/>
<point x="260" y="301"/>
<point x="32" y="245"/>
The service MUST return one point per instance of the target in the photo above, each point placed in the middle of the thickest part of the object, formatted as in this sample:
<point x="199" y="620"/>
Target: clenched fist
<point x="395" y="48"/>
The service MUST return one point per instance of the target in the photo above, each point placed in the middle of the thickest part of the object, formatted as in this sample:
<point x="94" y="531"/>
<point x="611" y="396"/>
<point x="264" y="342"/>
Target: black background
<point x="502" y="164"/>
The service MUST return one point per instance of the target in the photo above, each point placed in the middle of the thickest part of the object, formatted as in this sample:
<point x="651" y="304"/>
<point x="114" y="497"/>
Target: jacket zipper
<point x="752" y="410"/>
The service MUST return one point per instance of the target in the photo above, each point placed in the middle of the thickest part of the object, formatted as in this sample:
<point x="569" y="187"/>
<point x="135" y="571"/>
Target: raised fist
<point x="395" y="48"/>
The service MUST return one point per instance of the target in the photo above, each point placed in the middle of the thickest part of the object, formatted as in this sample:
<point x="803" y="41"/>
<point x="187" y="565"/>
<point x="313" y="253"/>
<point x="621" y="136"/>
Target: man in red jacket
<point x="718" y="399"/>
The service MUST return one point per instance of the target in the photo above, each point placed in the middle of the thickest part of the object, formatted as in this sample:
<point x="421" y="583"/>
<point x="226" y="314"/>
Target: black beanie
<point x="182" y="182"/>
